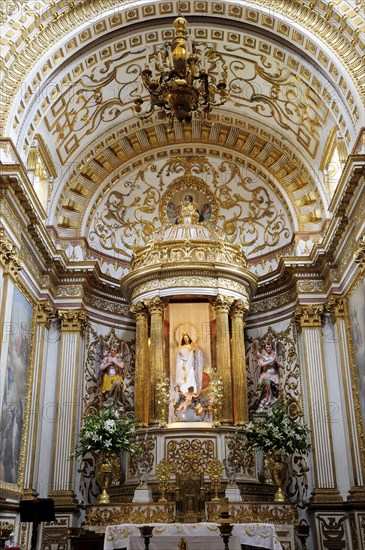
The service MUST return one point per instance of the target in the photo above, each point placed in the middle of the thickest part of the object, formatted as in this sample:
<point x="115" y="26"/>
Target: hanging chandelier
<point x="185" y="78"/>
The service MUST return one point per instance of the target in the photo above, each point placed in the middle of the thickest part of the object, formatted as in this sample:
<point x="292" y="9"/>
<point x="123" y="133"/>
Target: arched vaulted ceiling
<point x="70" y="72"/>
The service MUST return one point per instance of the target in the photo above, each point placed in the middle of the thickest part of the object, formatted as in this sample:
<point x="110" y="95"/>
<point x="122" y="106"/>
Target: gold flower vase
<point x="278" y="466"/>
<point x="104" y="472"/>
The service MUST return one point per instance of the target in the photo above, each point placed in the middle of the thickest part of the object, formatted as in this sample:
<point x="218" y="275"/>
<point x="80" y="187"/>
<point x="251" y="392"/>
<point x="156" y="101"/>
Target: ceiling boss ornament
<point x="184" y="79"/>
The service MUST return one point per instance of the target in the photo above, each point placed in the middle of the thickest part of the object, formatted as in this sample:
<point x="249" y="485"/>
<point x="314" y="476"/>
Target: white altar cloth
<point x="199" y="536"/>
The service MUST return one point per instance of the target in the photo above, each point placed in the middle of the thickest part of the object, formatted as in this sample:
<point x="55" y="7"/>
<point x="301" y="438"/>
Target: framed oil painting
<point x="13" y="385"/>
<point x="357" y="322"/>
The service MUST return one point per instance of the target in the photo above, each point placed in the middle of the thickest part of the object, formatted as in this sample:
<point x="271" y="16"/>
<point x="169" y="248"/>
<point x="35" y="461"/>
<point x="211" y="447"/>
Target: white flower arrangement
<point x="105" y="433"/>
<point x="276" y="431"/>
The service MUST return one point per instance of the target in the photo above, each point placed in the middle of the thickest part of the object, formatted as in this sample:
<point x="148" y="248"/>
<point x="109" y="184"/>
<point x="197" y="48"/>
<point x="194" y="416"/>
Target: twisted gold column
<point x="141" y="387"/>
<point x="239" y="375"/>
<point x="309" y="319"/>
<point x="155" y="307"/>
<point x="222" y="306"/>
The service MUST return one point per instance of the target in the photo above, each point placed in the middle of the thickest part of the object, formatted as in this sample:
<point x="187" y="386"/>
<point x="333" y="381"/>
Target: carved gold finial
<point x="163" y="472"/>
<point x="215" y="472"/>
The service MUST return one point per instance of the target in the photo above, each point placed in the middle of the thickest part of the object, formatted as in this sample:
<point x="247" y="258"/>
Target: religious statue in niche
<point x="112" y="375"/>
<point x="191" y="397"/>
<point x="191" y="207"/>
<point x="265" y="371"/>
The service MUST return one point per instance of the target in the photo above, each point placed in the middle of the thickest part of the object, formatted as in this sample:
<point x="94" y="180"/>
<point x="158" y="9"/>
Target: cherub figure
<point x="265" y="367"/>
<point x="189" y="396"/>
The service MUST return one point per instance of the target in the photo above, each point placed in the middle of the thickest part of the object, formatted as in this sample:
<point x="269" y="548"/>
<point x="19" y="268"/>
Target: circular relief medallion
<point x="199" y="193"/>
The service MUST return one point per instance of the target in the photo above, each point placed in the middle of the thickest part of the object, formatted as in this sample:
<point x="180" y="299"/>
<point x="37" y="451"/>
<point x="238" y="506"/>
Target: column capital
<point x="72" y="320"/>
<point x="222" y="303"/>
<point x="139" y="310"/>
<point x="336" y="306"/>
<point x="239" y="309"/>
<point x="9" y="255"/>
<point x="155" y="305"/>
<point x="45" y="312"/>
<point x="359" y="254"/>
<point x="309" y="316"/>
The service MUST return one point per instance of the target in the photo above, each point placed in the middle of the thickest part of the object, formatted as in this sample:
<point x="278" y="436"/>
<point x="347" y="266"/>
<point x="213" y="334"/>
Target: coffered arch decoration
<point x="62" y="27"/>
<point x="247" y="209"/>
<point x="254" y="150"/>
<point x="272" y="83"/>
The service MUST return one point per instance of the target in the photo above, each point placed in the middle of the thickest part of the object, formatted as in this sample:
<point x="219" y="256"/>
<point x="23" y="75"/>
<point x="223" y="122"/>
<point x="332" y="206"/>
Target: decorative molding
<point x="190" y="456"/>
<point x="72" y="320"/>
<point x="104" y="305"/>
<point x="9" y="256"/>
<point x="309" y="316"/>
<point x="252" y="513"/>
<point x="45" y="312"/>
<point x="359" y="254"/>
<point x="154" y="512"/>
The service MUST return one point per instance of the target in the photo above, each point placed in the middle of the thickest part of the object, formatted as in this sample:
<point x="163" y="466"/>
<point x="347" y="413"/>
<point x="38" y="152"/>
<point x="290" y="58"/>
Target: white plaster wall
<point x="336" y="407"/>
<point x="48" y="411"/>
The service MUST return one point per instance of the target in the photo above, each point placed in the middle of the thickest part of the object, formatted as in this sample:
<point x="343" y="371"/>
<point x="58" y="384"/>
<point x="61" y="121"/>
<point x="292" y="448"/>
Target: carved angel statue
<point x="265" y="368"/>
<point x="113" y="370"/>
<point x="231" y="470"/>
<point x="143" y="472"/>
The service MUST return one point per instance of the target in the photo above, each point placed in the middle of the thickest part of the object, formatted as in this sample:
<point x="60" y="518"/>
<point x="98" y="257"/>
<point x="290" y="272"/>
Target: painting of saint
<point x="192" y="205"/>
<point x="357" y="320"/>
<point x="14" y="387"/>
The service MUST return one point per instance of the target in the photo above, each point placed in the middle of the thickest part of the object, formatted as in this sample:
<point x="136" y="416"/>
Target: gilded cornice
<point x="50" y="24"/>
<point x="9" y="255"/>
<point x="72" y="320"/>
<point x="309" y="316"/>
<point x="359" y="254"/>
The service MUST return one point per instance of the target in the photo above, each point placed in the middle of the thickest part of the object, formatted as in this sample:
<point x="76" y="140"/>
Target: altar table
<point x="199" y="536"/>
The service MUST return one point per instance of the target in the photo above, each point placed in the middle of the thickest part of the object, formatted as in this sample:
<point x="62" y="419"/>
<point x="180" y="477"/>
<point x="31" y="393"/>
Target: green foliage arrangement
<point x="106" y="433"/>
<point x="276" y="431"/>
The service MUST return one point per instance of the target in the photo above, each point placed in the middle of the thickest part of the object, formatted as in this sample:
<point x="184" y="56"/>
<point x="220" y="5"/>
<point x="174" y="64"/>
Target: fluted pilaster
<point x="156" y="308"/>
<point x="141" y="387"/>
<point x="222" y="306"/>
<point x="70" y="360"/>
<point x="44" y="313"/>
<point x="309" y="319"/>
<point x="337" y="307"/>
<point x="239" y="374"/>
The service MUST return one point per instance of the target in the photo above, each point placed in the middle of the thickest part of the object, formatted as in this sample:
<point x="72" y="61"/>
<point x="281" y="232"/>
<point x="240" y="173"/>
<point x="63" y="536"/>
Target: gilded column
<point x="338" y="311"/>
<point x="310" y="323"/>
<point x="44" y="313"/>
<point x="68" y="401"/>
<point x="141" y="388"/>
<point x="239" y="375"/>
<point x="222" y="306"/>
<point x="155" y="307"/>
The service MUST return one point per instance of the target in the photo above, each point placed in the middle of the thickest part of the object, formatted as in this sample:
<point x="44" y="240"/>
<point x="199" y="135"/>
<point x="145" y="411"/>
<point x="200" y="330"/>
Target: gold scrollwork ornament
<point x="215" y="472"/>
